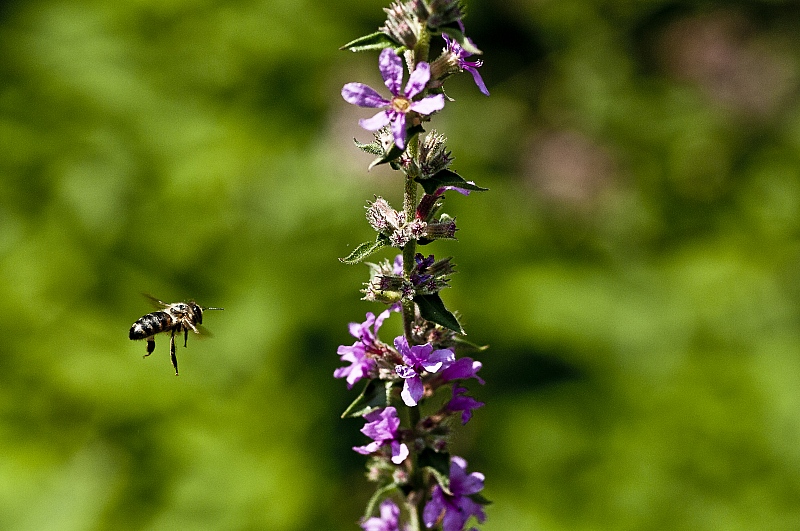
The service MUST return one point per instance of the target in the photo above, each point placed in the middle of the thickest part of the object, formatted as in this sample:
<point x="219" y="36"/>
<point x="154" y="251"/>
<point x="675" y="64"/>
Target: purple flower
<point x="419" y="359"/>
<point x="463" y="369"/>
<point x="462" y="402"/>
<point x="460" y="54"/>
<point x="381" y="427"/>
<point x="391" y="67"/>
<point x="457" y="507"/>
<point x="388" y="521"/>
<point x="360" y="363"/>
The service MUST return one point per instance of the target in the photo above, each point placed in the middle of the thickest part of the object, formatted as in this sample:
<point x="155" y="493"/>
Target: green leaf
<point x="438" y="464"/>
<point x="455" y="32"/>
<point x="447" y="178"/>
<point x="389" y="156"/>
<point x="432" y="309"/>
<point x="373" y="41"/>
<point x="378" y="496"/>
<point x="468" y="346"/>
<point x="365" y="249"/>
<point x="372" y="397"/>
<point x="373" y="148"/>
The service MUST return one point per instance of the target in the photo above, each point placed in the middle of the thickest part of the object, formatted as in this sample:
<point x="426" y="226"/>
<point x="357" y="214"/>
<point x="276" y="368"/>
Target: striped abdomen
<point x="151" y="324"/>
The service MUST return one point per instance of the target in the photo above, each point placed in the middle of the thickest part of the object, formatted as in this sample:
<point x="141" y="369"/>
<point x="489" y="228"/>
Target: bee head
<point x="197" y="310"/>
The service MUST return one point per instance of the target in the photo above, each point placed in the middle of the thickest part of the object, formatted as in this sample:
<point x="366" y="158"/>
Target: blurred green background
<point x="634" y="266"/>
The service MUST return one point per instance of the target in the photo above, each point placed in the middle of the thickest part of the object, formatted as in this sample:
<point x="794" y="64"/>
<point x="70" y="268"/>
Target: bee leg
<point x="172" y="352"/>
<point x="185" y="336"/>
<point x="151" y="346"/>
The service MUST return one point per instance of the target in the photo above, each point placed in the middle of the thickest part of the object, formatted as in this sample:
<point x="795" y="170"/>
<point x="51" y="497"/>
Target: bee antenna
<point x="212" y="308"/>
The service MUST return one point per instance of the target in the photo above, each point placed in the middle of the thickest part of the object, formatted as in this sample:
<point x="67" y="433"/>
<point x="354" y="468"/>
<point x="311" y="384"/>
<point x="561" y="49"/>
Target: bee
<point x="175" y="317"/>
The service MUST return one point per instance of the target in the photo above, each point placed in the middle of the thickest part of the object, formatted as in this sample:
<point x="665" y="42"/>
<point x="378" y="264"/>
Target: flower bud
<point x="402" y="24"/>
<point x="445" y="65"/>
<point x="428" y="206"/>
<point x="383" y="218"/>
<point x="445" y="228"/>
<point x="433" y="154"/>
<point x="442" y="12"/>
<point x="416" y="229"/>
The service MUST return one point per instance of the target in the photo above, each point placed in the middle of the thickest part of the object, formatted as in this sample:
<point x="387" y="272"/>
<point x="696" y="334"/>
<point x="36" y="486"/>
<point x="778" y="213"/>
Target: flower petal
<point x="412" y="391"/>
<point x="401" y="344"/>
<point x="405" y="372"/>
<point x="478" y="79"/>
<point x="399" y="130"/>
<point x="391" y="67"/>
<point x="358" y="330"/>
<point x="363" y="96"/>
<point x="439" y="359"/>
<point x="368" y="449"/>
<point x="428" y="104"/>
<point x="418" y="79"/>
<point x="381" y="317"/>
<point x="433" y="509"/>
<point x="376" y="122"/>
<point x="399" y="452"/>
<point x="420" y="353"/>
<point x="462" y="369"/>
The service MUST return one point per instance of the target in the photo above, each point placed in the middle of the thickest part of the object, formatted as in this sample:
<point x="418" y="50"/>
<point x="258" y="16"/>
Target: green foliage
<point x="376" y="41"/>
<point x="447" y="178"/>
<point x="432" y="308"/>
<point x="363" y="251"/>
<point x="372" y="397"/>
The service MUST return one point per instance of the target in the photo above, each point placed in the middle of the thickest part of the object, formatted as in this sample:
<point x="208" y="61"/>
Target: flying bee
<point x="175" y="317"/>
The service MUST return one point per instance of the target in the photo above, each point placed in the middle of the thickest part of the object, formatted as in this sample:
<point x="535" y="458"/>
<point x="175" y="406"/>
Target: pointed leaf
<point x="378" y="496"/>
<point x="373" y="41"/>
<point x="447" y="178"/>
<point x="469" y="346"/>
<point x="372" y="397"/>
<point x="389" y="156"/>
<point x="372" y="148"/>
<point x="365" y="249"/>
<point x="432" y="309"/>
<point x="479" y="499"/>
<point x="438" y="464"/>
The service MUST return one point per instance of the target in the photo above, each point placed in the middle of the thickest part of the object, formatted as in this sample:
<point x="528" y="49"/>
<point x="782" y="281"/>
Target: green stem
<point x="423" y="48"/>
<point x="415" y="499"/>
<point x="410" y="249"/>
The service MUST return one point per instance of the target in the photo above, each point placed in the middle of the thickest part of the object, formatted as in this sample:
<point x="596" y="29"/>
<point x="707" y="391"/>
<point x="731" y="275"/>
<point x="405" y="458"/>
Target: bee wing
<point x="204" y="333"/>
<point x="156" y="302"/>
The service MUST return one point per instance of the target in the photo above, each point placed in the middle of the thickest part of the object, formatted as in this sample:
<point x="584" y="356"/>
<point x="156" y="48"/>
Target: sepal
<point x="373" y="41"/>
<point x="365" y="249"/>
<point x="431" y="308"/>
